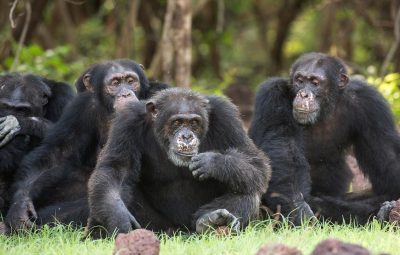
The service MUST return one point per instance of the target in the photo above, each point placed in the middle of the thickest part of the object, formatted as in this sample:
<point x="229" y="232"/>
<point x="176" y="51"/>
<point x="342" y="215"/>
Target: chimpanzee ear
<point x="151" y="109"/>
<point x="141" y="66"/>
<point x="343" y="80"/>
<point x="87" y="83"/>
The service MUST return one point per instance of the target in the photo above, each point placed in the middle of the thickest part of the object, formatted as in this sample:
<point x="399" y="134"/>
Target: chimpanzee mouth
<point x="305" y="111"/>
<point x="185" y="154"/>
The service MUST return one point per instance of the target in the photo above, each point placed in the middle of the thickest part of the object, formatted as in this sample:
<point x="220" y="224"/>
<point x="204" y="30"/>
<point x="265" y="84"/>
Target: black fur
<point x="17" y="89"/>
<point x="52" y="179"/>
<point x="310" y="159"/>
<point x="135" y="178"/>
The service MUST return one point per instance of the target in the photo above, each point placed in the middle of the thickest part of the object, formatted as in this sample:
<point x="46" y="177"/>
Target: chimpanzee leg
<point x="73" y="212"/>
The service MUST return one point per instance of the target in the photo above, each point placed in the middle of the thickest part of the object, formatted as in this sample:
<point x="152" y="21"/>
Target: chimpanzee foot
<point x="386" y="207"/>
<point x="217" y="218"/>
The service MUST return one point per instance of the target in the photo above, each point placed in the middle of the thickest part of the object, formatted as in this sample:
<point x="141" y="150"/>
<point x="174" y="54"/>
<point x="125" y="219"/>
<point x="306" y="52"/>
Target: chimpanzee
<point x="306" y="123"/>
<point x="53" y="177"/>
<point x="180" y="161"/>
<point x="28" y="105"/>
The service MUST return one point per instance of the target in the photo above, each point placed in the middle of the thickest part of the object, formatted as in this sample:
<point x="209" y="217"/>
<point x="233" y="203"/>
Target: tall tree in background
<point x="172" y="62"/>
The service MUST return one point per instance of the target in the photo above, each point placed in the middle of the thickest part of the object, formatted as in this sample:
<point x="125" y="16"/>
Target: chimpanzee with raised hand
<point x="307" y="122"/>
<point x="29" y="104"/>
<point x="53" y="178"/>
<point x="179" y="161"/>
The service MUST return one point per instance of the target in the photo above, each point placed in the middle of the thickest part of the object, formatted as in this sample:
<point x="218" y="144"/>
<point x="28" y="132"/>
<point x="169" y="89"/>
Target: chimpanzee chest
<point x="173" y="190"/>
<point x="325" y="140"/>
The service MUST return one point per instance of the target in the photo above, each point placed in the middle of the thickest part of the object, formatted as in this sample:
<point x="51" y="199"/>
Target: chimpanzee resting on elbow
<point x="53" y="178"/>
<point x="28" y="105"/>
<point x="306" y="123"/>
<point x="181" y="161"/>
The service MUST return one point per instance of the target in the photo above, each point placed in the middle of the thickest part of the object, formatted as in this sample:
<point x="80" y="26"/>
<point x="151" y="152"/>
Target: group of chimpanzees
<point x="126" y="153"/>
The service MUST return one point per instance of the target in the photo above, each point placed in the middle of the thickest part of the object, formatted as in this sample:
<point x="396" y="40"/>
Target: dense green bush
<point x="50" y="63"/>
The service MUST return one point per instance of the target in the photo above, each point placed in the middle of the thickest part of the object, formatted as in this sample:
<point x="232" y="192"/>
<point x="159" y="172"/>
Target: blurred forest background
<point x="215" y="46"/>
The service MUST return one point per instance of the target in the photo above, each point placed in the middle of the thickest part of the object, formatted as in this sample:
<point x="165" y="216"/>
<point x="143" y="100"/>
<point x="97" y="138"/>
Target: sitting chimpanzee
<point x="28" y="105"/>
<point x="53" y="177"/>
<point x="306" y="123"/>
<point x="181" y="161"/>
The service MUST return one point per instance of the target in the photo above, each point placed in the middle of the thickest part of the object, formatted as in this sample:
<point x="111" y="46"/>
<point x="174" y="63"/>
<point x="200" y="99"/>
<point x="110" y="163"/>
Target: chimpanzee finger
<point x="134" y="221"/>
<point x="8" y="137"/>
<point x="203" y="176"/>
<point x="195" y="165"/>
<point x="198" y="173"/>
<point x="3" y="125"/>
<point x="197" y="157"/>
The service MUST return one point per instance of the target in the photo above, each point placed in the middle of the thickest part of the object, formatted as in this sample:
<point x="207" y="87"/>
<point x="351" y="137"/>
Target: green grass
<point x="64" y="240"/>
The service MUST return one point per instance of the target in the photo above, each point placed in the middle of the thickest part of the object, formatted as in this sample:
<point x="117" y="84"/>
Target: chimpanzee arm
<point x="377" y="142"/>
<point x="34" y="126"/>
<point x="275" y="131"/>
<point x="118" y="162"/>
<point x="11" y="126"/>
<point x="228" y="154"/>
<point x="66" y="143"/>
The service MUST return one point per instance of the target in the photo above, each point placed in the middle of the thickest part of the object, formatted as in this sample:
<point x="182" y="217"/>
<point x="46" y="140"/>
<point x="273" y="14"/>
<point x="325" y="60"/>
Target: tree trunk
<point x="328" y="14"/>
<point x="288" y="12"/>
<point x="125" y="38"/>
<point x="172" y="61"/>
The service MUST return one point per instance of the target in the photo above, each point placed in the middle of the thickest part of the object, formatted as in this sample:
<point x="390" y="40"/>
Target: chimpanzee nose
<point x="187" y="137"/>
<point x="126" y="93"/>
<point x="303" y="94"/>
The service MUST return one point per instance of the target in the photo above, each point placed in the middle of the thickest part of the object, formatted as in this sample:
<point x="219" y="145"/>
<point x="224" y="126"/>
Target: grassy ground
<point x="62" y="240"/>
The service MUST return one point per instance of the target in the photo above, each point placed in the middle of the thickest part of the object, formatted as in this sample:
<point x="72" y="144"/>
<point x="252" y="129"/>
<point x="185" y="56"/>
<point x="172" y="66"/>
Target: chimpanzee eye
<point x="315" y="82"/>
<point x="176" y="122"/>
<point x="131" y="80"/>
<point x="299" y="79"/>
<point x="114" y="82"/>
<point x="194" y="122"/>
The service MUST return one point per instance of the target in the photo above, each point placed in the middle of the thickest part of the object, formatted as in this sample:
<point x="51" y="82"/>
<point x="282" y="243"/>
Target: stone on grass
<point x="336" y="247"/>
<point x="137" y="242"/>
<point x="278" y="249"/>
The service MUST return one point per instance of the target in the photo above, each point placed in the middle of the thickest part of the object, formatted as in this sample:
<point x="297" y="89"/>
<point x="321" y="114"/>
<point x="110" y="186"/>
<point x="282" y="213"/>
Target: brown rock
<point x="333" y="247"/>
<point x="394" y="215"/>
<point x="137" y="242"/>
<point x="277" y="249"/>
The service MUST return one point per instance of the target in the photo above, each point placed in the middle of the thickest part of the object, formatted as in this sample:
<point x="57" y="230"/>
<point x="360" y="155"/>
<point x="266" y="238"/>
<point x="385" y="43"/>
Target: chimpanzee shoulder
<point x="225" y="126"/>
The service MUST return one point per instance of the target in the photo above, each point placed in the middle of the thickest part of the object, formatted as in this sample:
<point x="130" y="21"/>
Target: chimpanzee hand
<point x="217" y="218"/>
<point x="203" y="165"/>
<point x="302" y="212"/>
<point x="384" y="211"/>
<point x="9" y="128"/>
<point x="21" y="215"/>
<point x="122" y="221"/>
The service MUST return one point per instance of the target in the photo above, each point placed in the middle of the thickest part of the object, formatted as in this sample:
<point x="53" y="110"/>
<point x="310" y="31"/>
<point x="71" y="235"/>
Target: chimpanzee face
<point x="23" y="95"/>
<point x="115" y="82"/>
<point x="122" y="84"/>
<point x="180" y="123"/>
<point x="316" y="85"/>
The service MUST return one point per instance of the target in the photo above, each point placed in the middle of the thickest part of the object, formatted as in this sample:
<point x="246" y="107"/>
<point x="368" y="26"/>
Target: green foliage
<point x="389" y="87"/>
<point x="217" y="87"/>
<point x="49" y="63"/>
